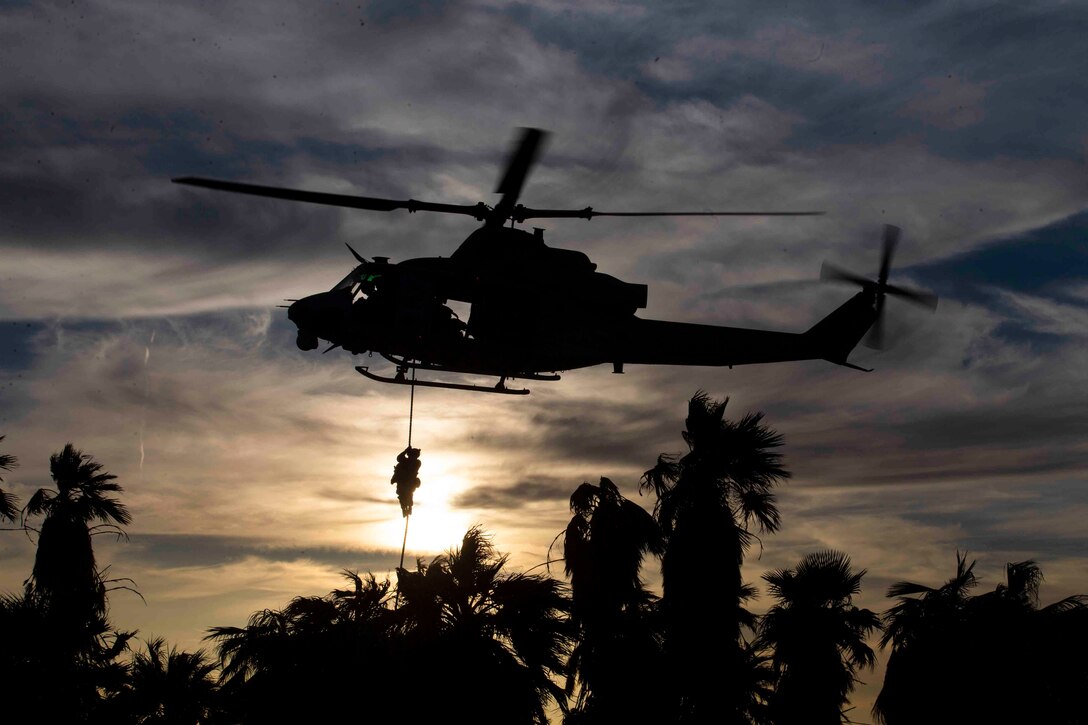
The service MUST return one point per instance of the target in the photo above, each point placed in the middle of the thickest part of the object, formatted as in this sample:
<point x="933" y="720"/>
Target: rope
<point x="411" y="412"/>
<point x="411" y="407"/>
<point x="403" y="544"/>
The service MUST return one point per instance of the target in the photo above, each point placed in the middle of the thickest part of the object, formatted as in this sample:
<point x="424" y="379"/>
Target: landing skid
<point x="404" y="363"/>
<point x="501" y="389"/>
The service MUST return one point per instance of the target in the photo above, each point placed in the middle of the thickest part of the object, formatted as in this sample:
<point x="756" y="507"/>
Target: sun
<point x="435" y="525"/>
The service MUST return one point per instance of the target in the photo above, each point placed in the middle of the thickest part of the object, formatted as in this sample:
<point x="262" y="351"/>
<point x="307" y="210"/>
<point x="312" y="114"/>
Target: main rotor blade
<point x="479" y="210"/>
<point x="521" y="160"/>
<point x="355" y="254"/>
<point x="521" y="213"/>
<point x="517" y="170"/>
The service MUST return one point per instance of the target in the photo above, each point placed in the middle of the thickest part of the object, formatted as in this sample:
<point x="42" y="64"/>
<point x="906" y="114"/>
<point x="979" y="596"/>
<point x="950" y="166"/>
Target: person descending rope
<point x="406" y="477"/>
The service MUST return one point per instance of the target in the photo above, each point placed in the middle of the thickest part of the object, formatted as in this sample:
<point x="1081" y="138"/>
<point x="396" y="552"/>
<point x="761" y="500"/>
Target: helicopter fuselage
<point x="534" y="309"/>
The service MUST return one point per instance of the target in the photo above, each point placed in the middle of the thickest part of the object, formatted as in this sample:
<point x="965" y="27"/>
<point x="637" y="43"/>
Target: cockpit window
<point x="355" y="277"/>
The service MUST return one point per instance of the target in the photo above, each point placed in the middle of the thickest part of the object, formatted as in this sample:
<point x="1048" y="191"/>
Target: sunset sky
<point x="138" y="318"/>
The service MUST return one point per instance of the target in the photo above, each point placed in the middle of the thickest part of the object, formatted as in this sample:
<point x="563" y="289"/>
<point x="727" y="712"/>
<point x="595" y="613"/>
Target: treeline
<point x="463" y="639"/>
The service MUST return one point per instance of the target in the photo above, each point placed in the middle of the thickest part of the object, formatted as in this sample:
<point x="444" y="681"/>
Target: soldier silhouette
<point x="406" y="478"/>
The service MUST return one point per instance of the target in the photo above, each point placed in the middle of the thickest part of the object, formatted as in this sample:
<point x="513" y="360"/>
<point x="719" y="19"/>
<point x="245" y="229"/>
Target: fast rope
<point x="411" y="412"/>
<point x="407" y="514"/>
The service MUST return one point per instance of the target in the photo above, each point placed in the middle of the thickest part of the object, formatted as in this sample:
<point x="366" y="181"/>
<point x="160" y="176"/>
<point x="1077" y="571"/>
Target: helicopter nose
<point x="326" y="315"/>
<point x="304" y="314"/>
<point x="308" y="311"/>
<point x="295" y="312"/>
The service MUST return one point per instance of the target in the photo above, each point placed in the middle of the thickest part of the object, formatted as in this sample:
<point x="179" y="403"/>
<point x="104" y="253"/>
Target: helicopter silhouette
<point x="537" y="310"/>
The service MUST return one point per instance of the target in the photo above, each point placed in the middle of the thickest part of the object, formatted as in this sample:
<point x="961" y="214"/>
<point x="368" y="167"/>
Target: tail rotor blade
<point x="891" y="240"/>
<point x="879" y="288"/>
<point x="830" y="273"/>
<point x="875" y="339"/>
<point x="925" y="299"/>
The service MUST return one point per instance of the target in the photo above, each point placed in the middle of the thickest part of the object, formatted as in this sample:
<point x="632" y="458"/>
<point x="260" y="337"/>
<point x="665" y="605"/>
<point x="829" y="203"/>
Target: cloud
<point x="845" y="55"/>
<point x="207" y="551"/>
<point x="518" y="495"/>
<point x="1047" y="316"/>
<point x="948" y="102"/>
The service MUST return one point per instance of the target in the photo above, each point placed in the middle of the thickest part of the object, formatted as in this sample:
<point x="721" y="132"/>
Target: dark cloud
<point x="1024" y="427"/>
<point x="598" y="433"/>
<point x="16" y="345"/>
<point x="1042" y="261"/>
<point x="849" y="71"/>
<point x="166" y="551"/>
<point x="539" y="489"/>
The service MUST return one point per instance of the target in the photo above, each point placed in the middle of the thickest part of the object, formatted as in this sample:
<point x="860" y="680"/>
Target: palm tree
<point x="1018" y="663"/>
<point x="167" y="687"/>
<point x="299" y="663"/>
<point x="818" y="638"/>
<point x="9" y="508"/>
<point x="706" y="502"/>
<point x="468" y="643"/>
<point x="65" y="655"/>
<point x="65" y="575"/>
<point x="619" y="629"/>
<point x="926" y="629"/>
<point x="487" y="646"/>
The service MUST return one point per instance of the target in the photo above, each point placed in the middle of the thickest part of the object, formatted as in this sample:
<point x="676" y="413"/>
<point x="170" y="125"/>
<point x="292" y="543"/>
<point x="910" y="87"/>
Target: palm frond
<point x="908" y="589"/>
<point x="760" y="507"/>
<point x="39" y="503"/>
<point x="1023" y="579"/>
<point x="8" y="462"/>
<point x="93" y="507"/>
<point x="661" y="477"/>
<point x="9" y="506"/>
<point x="1074" y="603"/>
<point x="584" y="499"/>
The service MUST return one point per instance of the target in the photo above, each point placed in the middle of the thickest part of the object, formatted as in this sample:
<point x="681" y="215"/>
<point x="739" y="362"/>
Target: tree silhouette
<point x="1018" y="662"/>
<point x="65" y="575"/>
<point x="55" y="669"/>
<point x="61" y="654"/>
<point x="818" y="638"/>
<point x="468" y="643"/>
<point x="706" y="502"/>
<point x="166" y="687"/>
<point x="619" y="629"/>
<point x="9" y="506"/>
<point x="296" y="664"/>
<point x="468" y="623"/>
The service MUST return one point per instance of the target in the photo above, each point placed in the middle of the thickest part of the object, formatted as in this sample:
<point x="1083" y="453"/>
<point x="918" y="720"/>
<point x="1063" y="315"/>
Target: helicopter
<point x="537" y="310"/>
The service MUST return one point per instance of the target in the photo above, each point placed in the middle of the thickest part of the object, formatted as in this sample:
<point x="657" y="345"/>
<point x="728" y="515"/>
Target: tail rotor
<point x="879" y="287"/>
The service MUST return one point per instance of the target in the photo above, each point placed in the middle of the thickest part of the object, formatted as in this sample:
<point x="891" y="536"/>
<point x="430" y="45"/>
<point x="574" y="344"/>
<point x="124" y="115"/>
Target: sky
<point x="138" y="318"/>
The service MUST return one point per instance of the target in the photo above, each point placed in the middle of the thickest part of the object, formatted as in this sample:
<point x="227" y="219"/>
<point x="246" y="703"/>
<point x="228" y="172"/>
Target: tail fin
<point x="835" y="336"/>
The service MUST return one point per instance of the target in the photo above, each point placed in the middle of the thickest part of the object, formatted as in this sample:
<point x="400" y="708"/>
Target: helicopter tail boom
<point x="678" y="343"/>
<point x="836" y="335"/>
<point x="681" y="343"/>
